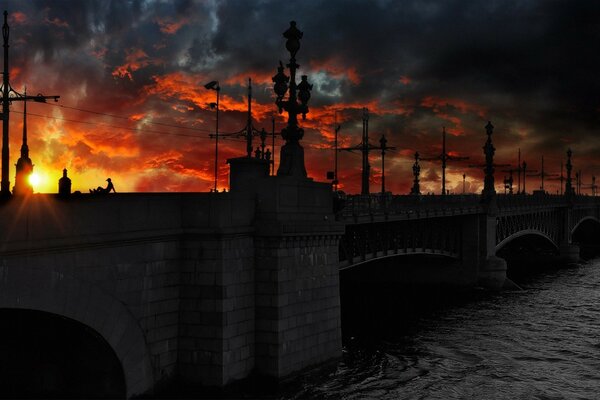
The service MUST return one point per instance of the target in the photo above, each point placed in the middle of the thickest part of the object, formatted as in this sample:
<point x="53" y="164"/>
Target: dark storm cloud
<point x="529" y="66"/>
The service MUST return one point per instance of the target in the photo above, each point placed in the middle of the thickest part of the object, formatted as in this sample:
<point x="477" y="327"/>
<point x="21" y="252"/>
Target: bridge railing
<point x="379" y="205"/>
<point x="507" y="201"/>
<point x="355" y="206"/>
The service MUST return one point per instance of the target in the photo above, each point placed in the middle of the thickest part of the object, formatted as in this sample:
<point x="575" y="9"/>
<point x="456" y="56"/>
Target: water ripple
<point x="539" y="343"/>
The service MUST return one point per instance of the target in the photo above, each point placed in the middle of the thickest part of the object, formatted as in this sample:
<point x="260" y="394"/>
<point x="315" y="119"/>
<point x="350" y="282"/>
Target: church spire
<point x="24" y="147"/>
<point x="24" y="164"/>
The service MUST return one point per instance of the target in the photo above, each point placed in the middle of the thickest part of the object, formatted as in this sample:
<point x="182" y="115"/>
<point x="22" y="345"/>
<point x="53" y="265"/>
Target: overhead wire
<point x="223" y="136"/>
<point x="112" y="126"/>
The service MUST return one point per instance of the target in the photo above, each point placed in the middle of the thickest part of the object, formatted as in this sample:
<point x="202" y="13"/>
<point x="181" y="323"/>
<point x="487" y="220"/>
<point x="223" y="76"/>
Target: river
<point x="539" y="343"/>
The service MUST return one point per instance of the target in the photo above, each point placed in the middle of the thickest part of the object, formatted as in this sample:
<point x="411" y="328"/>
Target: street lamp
<point x="214" y="85"/>
<point x="291" y="162"/>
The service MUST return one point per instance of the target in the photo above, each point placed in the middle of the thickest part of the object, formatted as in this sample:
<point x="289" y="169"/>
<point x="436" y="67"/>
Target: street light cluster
<point x="292" y="154"/>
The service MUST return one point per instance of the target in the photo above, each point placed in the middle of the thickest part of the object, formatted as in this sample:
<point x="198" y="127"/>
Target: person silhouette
<point x="110" y="186"/>
<point x="106" y="190"/>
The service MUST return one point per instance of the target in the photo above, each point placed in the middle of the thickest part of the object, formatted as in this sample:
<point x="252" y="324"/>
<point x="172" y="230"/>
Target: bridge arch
<point x="584" y="220"/>
<point x="525" y="232"/>
<point x="345" y="265"/>
<point x="57" y="293"/>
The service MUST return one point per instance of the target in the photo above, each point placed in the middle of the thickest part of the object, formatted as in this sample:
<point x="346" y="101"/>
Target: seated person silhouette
<point x="101" y="190"/>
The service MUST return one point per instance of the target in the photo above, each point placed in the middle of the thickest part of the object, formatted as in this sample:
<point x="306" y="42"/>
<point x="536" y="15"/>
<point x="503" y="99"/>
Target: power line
<point x="112" y="126"/>
<point x="129" y="119"/>
<point x="140" y="129"/>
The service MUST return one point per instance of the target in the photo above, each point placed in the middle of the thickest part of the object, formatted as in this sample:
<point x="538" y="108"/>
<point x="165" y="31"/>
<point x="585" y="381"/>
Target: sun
<point x="35" y="179"/>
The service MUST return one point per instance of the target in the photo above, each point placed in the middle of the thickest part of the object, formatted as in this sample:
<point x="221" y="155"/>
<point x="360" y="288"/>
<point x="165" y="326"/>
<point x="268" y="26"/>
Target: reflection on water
<point x="542" y="342"/>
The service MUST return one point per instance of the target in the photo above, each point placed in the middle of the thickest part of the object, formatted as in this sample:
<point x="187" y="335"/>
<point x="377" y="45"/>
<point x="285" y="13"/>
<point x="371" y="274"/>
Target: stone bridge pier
<point x="197" y="288"/>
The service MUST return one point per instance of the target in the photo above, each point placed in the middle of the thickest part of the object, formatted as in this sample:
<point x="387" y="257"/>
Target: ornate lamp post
<point x="489" y="150"/>
<point x="416" y="190"/>
<point x="214" y="85"/>
<point x="292" y="154"/>
<point x="569" y="192"/>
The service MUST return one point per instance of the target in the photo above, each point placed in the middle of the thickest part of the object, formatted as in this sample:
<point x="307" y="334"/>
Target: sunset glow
<point x="34" y="179"/>
<point x="133" y="105"/>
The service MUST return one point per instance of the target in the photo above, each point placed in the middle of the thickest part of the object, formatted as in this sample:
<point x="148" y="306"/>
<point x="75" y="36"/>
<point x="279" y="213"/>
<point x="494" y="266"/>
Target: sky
<point x="138" y="68"/>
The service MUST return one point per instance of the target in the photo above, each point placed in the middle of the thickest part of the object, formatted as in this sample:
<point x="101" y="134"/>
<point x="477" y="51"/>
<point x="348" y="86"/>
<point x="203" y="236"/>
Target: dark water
<point x="539" y="343"/>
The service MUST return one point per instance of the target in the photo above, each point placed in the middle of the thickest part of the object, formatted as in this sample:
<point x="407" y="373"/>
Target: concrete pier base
<point x="493" y="273"/>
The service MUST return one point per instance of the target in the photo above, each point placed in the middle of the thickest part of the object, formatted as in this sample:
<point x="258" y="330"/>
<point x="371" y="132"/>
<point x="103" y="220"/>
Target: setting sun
<point x="35" y="179"/>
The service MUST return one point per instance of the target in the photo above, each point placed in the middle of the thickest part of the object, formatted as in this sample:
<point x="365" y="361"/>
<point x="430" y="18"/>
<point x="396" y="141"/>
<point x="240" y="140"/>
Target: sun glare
<point x="35" y="179"/>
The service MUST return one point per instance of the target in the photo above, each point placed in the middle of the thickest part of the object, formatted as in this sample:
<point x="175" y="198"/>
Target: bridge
<point x="208" y="288"/>
<point x="379" y="226"/>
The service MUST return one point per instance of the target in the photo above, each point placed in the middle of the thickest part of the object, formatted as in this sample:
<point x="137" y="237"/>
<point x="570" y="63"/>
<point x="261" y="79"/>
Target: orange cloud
<point x="405" y="80"/>
<point x="17" y="18"/>
<point x="170" y="26"/>
<point x="56" y="22"/>
<point x="438" y="103"/>
<point x="134" y="60"/>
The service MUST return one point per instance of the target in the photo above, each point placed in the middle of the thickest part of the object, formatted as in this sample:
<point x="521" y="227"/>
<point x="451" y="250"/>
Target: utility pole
<point x="273" y="145"/>
<point x="336" y="129"/>
<point x="366" y="167"/>
<point x="519" y="172"/>
<point x="364" y="147"/>
<point x="509" y="180"/>
<point x="8" y="96"/>
<point x="383" y="146"/>
<point x="249" y="131"/>
<point x="444" y="158"/>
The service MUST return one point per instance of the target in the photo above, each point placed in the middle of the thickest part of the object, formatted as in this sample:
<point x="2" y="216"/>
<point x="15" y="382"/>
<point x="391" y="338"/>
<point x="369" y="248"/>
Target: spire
<point x="24" y="147"/>
<point x="24" y="166"/>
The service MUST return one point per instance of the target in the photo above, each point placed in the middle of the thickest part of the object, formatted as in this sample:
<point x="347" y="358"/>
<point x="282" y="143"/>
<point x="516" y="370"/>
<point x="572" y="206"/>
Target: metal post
<point x="5" y="184"/>
<point x="416" y="190"/>
<point x="524" y="175"/>
<point x="464" y="178"/>
<point x="273" y="144"/>
<point x="366" y="168"/>
<point x="519" y="172"/>
<point x="569" y="166"/>
<point x="249" y="123"/>
<point x="444" y="159"/>
<point x="217" y="141"/>
<point x="561" y="178"/>
<point x="489" y="150"/>
<point x="383" y="142"/>
<point x="542" y="174"/>
<point x="10" y="95"/>
<point x="336" y="128"/>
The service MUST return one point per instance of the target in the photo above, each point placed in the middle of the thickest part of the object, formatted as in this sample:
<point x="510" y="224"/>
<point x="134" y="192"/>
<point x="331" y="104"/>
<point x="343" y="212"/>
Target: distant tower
<point x="64" y="184"/>
<point x="24" y="166"/>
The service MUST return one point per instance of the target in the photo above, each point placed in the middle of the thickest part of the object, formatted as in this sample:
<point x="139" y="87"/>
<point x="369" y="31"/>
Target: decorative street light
<point x="416" y="190"/>
<point x="569" y="192"/>
<point x="291" y="162"/>
<point x="383" y="146"/>
<point x="489" y="150"/>
<point x="214" y="85"/>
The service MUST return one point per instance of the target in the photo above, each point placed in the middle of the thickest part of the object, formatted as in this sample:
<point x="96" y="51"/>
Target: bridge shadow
<point x="44" y="355"/>
<point x="386" y="298"/>
<point x="587" y="235"/>
<point x="529" y="255"/>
